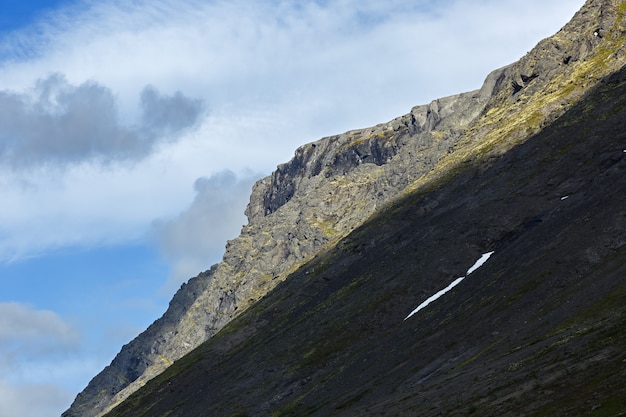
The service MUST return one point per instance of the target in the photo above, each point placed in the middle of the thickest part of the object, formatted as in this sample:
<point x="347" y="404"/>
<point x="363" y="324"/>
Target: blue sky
<point x="19" y="13"/>
<point x="131" y="134"/>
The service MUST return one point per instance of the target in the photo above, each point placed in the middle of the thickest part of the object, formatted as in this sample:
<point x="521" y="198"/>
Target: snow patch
<point x="435" y="296"/>
<point x="483" y="258"/>
<point x="453" y="284"/>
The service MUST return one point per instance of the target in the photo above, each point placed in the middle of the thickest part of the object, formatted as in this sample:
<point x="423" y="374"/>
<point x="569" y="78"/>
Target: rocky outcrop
<point x="330" y="187"/>
<point x="538" y="329"/>
<point x="333" y="185"/>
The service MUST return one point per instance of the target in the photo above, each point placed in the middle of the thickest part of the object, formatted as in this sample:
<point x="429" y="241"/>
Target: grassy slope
<point x="538" y="330"/>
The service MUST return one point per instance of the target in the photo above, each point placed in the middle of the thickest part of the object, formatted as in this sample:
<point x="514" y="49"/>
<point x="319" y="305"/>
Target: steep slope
<point x="539" y="329"/>
<point x="331" y="186"/>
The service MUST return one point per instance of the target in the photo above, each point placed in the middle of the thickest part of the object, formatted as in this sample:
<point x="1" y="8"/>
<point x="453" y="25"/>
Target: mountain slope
<point x="539" y="329"/>
<point x="306" y="205"/>
<point x="309" y="205"/>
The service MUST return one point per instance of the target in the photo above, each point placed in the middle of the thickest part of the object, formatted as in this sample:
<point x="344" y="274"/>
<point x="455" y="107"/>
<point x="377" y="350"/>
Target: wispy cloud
<point x="134" y="75"/>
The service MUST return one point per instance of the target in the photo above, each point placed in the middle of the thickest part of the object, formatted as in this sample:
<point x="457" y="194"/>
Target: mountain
<point x="305" y="315"/>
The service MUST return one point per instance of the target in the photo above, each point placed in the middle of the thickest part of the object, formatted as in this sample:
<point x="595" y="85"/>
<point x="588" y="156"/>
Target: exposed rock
<point x="330" y="187"/>
<point x="539" y="329"/>
<point x="333" y="185"/>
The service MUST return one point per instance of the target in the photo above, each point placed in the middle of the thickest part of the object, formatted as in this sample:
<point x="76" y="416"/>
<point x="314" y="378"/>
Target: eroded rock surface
<point x="333" y="185"/>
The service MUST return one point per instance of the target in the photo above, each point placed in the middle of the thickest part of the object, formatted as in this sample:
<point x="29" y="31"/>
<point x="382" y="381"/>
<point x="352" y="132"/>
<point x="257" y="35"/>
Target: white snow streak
<point x="453" y="284"/>
<point x="435" y="296"/>
<point x="479" y="263"/>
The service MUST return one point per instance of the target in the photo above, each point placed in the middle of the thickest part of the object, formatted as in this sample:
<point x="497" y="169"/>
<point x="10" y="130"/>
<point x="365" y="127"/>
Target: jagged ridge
<point x="538" y="330"/>
<point x="333" y="185"/>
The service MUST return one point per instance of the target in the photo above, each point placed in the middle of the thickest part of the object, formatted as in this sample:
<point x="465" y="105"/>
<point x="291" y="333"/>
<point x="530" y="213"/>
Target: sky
<point x="131" y="133"/>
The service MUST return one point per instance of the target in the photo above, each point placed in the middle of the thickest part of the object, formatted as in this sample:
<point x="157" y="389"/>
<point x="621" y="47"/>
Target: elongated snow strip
<point x="453" y="284"/>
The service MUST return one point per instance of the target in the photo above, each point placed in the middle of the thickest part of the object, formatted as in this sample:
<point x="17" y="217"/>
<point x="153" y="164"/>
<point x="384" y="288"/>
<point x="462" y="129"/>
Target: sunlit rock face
<point x="333" y="185"/>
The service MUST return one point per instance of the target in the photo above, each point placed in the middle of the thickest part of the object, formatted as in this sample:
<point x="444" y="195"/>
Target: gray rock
<point x="332" y="186"/>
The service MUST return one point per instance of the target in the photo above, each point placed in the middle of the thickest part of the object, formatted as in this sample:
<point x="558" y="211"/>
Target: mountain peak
<point x="313" y="206"/>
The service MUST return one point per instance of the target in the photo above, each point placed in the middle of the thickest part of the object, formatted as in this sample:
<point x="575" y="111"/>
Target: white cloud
<point x="28" y="330"/>
<point x="32" y="400"/>
<point x="86" y="205"/>
<point x="241" y="50"/>
<point x="195" y="239"/>
<point x="274" y="74"/>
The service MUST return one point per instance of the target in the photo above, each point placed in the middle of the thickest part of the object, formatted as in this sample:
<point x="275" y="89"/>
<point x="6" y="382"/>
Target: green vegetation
<point x="524" y="335"/>
<point x="353" y="143"/>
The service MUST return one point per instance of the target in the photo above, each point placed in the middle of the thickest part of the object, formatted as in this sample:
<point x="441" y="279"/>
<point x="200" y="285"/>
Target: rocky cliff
<point x="334" y="185"/>
<point x="538" y="330"/>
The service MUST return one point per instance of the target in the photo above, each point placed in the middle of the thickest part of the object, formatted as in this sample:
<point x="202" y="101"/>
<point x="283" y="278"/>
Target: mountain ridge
<point x="308" y="205"/>
<point x="538" y="329"/>
<point x="264" y="255"/>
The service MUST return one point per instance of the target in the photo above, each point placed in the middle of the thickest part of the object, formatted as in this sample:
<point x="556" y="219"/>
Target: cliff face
<point x="538" y="330"/>
<point x="330" y="187"/>
<point x="334" y="185"/>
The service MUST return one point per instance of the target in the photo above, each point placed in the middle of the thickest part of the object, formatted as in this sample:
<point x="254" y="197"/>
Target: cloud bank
<point x="274" y="74"/>
<point x="63" y="123"/>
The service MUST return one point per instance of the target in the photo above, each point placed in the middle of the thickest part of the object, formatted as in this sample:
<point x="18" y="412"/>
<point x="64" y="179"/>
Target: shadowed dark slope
<point x="444" y="151"/>
<point x="540" y="329"/>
